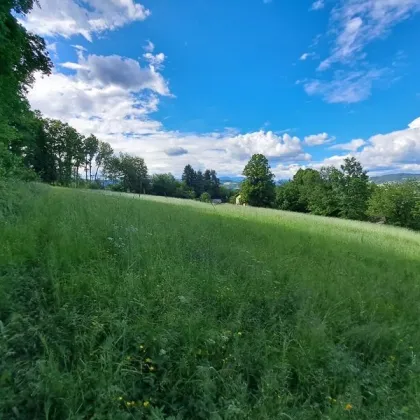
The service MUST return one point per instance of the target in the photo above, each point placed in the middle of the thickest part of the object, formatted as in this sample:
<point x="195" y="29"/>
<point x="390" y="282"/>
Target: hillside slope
<point x="120" y="308"/>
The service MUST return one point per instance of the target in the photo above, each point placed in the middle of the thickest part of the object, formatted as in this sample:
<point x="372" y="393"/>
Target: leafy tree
<point x="22" y="54"/>
<point x="258" y="188"/>
<point x="105" y="153"/>
<point x="354" y="190"/>
<point x="396" y="204"/>
<point x="184" y="191"/>
<point x="288" y="197"/>
<point x="164" y="184"/>
<point x="324" y="198"/>
<point x="131" y="171"/>
<point x="91" y="148"/>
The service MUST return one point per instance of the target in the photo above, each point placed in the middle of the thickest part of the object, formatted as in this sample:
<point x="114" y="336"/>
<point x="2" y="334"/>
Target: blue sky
<point x="211" y="82"/>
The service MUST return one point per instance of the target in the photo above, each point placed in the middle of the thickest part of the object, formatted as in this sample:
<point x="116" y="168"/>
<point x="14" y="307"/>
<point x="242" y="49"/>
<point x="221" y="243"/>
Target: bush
<point x="205" y="197"/>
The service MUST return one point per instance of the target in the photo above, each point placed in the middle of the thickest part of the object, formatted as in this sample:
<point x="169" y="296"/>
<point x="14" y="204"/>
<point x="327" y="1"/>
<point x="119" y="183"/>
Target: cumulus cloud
<point x="345" y="87"/>
<point x="116" y="107"/>
<point x="176" y="151"/>
<point x="71" y="17"/>
<point x="351" y="146"/>
<point x="398" y="151"/>
<point x="318" y="139"/>
<point x="114" y="70"/>
<point x="270" y="144"/>
<point x="356" y="23"/>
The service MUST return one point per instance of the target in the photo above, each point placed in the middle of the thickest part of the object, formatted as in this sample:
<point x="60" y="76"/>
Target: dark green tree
<point x="164" y="184"/>
<point x="258" y="188"/>
<point x="21" y="55"/>
<point x="189" y="176"/>
<point x="354" y="190"/>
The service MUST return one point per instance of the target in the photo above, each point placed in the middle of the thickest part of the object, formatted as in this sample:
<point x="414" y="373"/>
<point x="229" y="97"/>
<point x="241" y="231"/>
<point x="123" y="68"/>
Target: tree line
<point x="346" y="193"/>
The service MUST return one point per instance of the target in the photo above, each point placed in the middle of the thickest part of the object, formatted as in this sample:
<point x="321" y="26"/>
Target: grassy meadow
<point x="115" y="307"/>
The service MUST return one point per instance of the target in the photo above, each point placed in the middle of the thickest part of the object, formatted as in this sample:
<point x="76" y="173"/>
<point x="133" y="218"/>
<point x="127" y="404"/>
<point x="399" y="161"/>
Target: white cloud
<point x="149" y="47"/>
<point x="356" y="23"/>
<point x="103" y="71"/>
<point x="270" y="144"/>
<point x="398" y="151"/>
<point x="351" y="146"/>
<point x="116" y="107"/>
<point x="318" y="139"/>
<point x="318" y="5"/>
<point x="155" y="60"/>
<point x="345" y="87"/>
<point x="415" y="123"/>
<point x="305" y="56"/>
<point x="70" y="17"/>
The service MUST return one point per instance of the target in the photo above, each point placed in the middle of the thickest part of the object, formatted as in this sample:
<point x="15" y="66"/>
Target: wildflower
<point x="141" y="347"/>
<point x="146" y="404"/>
<point x="152" y="368"/>
<point x="148" y="360"/>
<point x="120" y="398"/>
<point x="239" y="333"/>
<point x="348" y="407"/>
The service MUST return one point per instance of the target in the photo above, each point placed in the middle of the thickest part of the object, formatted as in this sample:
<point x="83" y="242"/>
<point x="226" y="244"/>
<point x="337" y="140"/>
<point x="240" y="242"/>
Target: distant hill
<point x="394" y="178"/>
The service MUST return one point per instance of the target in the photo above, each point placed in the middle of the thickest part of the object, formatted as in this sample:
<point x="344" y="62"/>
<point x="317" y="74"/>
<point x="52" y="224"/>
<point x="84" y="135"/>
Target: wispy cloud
<point x="351" y="146"/>
<point x="345" y="87"/>
<point x="305" y="56"/>
<point x="318" y="5"/>
<point x="356" y="23"/>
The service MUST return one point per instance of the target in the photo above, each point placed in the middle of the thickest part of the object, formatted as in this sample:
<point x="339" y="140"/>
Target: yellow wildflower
<point x="146" y="404"/>
<point x="348" y="407"/>
<point x="239" y="333"/>
<point x="148" y="360"/>
<point x="120" y="398"/>
<point x="141" y="347"/>
<point x="152" y="368"/>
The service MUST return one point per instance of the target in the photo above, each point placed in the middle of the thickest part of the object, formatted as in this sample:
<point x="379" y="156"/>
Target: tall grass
<point x="117" y="308"/>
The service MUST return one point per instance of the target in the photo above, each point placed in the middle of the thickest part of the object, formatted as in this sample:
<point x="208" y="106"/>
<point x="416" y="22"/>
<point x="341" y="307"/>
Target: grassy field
<point x="115" y="307"/>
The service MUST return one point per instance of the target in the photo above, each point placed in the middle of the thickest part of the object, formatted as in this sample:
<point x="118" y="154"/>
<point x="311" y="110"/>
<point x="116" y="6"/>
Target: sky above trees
<point x="211" y="83"/>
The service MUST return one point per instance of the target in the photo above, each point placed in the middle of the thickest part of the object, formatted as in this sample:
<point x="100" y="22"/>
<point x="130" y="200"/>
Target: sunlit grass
<point x="115" y="306"/>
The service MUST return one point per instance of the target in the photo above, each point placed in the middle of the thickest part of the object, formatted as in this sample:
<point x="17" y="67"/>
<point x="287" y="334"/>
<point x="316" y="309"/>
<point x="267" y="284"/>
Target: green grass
<point x="202" y="313"/>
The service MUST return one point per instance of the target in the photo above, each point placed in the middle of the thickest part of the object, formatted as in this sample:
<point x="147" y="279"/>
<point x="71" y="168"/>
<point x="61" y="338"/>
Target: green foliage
<point x="258" y="188"/>
<point x="205" y="197"/>
<point x="397" y="204"/>
<point x="130" y="171"/>
<point x="164" y="184"/>
<point x="106" y="300"/>
<point x="354" y="190"/>
<point x="22" y="54"/>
